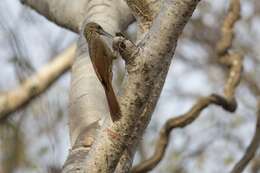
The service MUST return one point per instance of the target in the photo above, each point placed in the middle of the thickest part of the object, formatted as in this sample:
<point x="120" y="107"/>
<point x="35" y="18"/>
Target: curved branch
<point x="231" y="60"/>
<point x="178" y="122"/>
<point x="228" y="102"/>
<point x="251" y="149"/>
<point x="61" y="12"/>
<point x="225" y="42"/>
<point x="254" y="145"/>
<point x="13" y="100"/>
<point x="68" y="14"/>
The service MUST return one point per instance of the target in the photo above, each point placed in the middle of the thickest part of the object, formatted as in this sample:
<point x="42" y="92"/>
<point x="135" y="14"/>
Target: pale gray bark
<point x="71" y="14"/>
<point x="87" y="98"/>
<point x="146" y="76"/>
<point x="147" y="71"/>
<point x="68" y="14"/>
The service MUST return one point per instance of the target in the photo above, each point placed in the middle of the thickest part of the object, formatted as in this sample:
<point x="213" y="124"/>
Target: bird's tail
<point x="113" y="104"/>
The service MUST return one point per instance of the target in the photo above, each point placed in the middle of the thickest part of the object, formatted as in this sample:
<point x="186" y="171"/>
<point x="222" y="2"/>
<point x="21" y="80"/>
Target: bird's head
<point x="94" y="28"/>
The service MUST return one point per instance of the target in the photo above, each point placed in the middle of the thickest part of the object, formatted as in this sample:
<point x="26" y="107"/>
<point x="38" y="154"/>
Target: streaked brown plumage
<point x="101" y="57"/>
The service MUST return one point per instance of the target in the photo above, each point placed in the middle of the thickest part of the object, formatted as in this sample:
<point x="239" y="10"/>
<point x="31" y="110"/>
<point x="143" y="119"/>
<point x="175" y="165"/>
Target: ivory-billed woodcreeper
<point x="101" y="57"/>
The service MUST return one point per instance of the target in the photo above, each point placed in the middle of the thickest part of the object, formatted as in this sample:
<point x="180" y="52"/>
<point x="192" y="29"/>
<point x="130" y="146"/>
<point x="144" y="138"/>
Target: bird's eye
<point x="99" y="27"/>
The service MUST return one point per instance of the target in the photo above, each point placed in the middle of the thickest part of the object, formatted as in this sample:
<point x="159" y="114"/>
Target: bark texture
<point x="146" y="74"/>
<point x="105" y="144"/>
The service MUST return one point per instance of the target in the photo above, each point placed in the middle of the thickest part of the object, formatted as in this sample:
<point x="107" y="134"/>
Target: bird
<point x="101" y="57"/>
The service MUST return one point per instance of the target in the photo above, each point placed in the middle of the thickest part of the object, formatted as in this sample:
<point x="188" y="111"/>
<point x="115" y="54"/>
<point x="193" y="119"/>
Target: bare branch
<point x="13" y="100"/>
<point x="144" y="83"/>
<point x="254" y="145"/>
<point x="61" y="12"/>
<point x="234" y="62"/>
<point x="251" y="149"/>
<point x="87" y="97"/>
<point x="235" y="65"/>
<point x="70" y="14"/>
<point x="178" y="122"/>
<point x="142" y="12"/>
<point x="231" y="60"/>
<point x="145" y="12"/>
<point x="227" y="28"/>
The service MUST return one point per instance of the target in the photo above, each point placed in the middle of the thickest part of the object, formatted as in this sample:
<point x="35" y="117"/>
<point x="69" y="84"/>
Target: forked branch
<point x="227" y="102"/>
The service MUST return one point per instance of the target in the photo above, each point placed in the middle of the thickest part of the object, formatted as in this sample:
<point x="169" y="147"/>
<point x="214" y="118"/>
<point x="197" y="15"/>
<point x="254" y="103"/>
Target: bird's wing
<point x="96" y="48"/>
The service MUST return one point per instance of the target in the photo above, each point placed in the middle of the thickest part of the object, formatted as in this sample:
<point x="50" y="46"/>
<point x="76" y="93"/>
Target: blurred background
<point x="36" y="138"/>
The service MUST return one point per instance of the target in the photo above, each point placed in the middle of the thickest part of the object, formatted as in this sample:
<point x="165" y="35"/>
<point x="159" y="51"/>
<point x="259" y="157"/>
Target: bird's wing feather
<point x="96" y="45"/>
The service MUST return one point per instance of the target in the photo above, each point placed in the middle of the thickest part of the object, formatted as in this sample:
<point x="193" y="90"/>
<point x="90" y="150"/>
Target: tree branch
<point x="87" y="97"/>
<point x="145" y="12"/>
<point x="225" y="42"/>
<point x="71" y="15"/>
<point x="234" y="62"/>
<point x="251" y="149"/>
<point x="142" y="12"/>
<point x="61" y="12"/>
<point x="173" y="123"/>
<point x="143" y="85"/>
<point x="254" y="144"/>
<point x="13" y="100"/>
<point x="231" y="60"/>
<point x="68" y="14"/>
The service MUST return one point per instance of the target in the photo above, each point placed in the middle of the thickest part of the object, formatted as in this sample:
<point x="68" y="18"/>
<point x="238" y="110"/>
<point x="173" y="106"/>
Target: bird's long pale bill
<point x="106" y="34"/>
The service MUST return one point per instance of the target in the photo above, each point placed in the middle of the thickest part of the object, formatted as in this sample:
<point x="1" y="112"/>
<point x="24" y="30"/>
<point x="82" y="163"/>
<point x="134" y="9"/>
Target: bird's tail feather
<point x="113" y="104"/>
